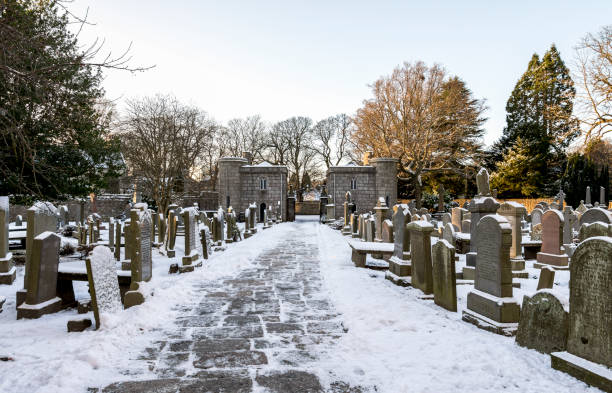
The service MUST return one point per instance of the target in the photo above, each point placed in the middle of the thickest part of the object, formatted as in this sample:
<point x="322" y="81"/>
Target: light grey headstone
<point x="103" y="283"/>
<point x="444" y="276"/>
<point x="569" y="223"/>
<point x="401" y="236"/>
<point x="536" y="216"/>
<point x="457" y="217"/>
<point x="420" y="250"/>
<point x="595" y="229"/>
<point x="448" y="233"/>
<point x="596" y="214"/>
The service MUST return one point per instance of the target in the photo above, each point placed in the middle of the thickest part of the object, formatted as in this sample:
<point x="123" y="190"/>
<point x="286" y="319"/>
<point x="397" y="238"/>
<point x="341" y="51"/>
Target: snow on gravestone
<point x="387" y="231"/>
<point x="596" y="214"/>
<point x="141" y="265"/>
<point x="444" y="277"/>
<point x="590" y="316"/>
<point x="543" y="323"/>
<point x="103" y="283"/>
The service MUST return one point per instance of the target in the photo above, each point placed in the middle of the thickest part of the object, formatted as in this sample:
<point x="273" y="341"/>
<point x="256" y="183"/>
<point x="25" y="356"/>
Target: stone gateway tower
<point x="240" y="183"/>
<point x="376" y="178"/>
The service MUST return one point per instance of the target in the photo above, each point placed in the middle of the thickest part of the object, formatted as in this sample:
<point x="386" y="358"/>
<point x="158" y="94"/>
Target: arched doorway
<point x="262" y="212"/>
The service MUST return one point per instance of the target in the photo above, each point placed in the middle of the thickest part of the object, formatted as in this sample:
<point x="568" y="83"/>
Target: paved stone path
<point x="262" y="330"/>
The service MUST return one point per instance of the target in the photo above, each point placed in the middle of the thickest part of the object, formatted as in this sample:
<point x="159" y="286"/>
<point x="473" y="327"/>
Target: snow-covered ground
<point x="395" y="341"/>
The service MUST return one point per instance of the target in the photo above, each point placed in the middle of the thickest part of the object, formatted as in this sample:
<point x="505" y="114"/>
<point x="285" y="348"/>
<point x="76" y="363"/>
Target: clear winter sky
<point x="316" y="58"/>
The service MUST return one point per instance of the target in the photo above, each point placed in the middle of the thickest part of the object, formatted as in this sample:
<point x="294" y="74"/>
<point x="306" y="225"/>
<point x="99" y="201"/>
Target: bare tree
<point x="428" y="121"/>
<point x="331" y="139"/>
<point x="163" y="141"/>
<point x="594" y="73"/>
<point x="248" y="134"/>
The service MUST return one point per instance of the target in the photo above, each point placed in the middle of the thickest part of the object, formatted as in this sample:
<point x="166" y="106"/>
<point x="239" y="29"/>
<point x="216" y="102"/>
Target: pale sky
<point x="316" y="58"/>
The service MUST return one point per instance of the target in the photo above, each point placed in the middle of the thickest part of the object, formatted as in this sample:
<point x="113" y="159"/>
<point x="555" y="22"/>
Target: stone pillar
<point x="291" y="208"/>
<point x="514" y="212"/>
<point x="381" y="210"/>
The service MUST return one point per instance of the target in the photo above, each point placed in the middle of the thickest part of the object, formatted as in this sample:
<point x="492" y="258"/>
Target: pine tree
<point x="517" y="174"/>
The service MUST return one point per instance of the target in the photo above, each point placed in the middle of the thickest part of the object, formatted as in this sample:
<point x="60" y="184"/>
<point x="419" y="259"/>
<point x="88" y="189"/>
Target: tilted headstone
<point x="420" y="250"/>
<point x="41" y="281"/>
<point x="552" y="240"/>
<point x="589" y="342"/>
<point x="596" y="214"/>
<point x="444" y="276"/>
<point x="387" y="231"/>
<point x="581" y="208"/>
<point x="490" y="305"/>
<point x="595" y="229"/>
<point x="514" y="212"/>
<point x="103" y="283"/>
<point x="381" y="211"/>
<point x="457" y="216"/>
<point x="543" y="323"/>
<point x="547" y="278"/>
<point x="8" y="272"/>
<point x="141" y="262"/>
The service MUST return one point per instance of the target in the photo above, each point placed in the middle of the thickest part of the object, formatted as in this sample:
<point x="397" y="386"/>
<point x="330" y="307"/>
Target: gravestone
<point x="330" y="211"/>
<point x="191" y="252"/>
<point x="444" y="277"/>
<point x="387" y="232"/>
<point x="552" y="240"/>
<point x="171" y="242"/>
<point x="457" y="216"/>
<point x="354" y="225"/>
<point x="446" y="218"/>
<point x="103" y="283"/>
<point x="18" y="220"/>
<point x="111" y="233"/>
<point x="536" y="232"/>
<point x="161" y="233"/>
<point x="589" y="343"/>
<point x="399" y="263"/>
<point x="40" y="283"/>
<point x="482" y="182"/>
<point x="569" y="222"/>
<point x="491" y="305"/>
<point x="290" y="209"/>
<point x="8" y="272"/>
<point x="206" y="241"/>
<point x="448" y="233"/>
<point x="381" y="211"/>
<point x="370" y="229"/>
<point x="253" y="217"/>
<point x="602" y="196"/>
<point x="595" y="229"/>
<point x="231" y="222"/>
<point x="587" y="199"/>
<point x="536" y="216"/>
<point x="581" y="208"/>
<point x="154" y="227"/>
<point x="543" y="324"/>
<point x="596" y="214"/>
<point x="547" y="278"/>
<point x="466" y="225"/>
<point x="117" y="235"/>
<point x="420" y="251"/>
<point x="479" y="208"/>
<point x="63" y="215"/>
<point x="141" y="261"/>
<point x="513" y="212"/>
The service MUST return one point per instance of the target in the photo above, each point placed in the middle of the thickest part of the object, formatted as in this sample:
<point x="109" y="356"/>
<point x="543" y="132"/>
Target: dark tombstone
<point x="291" y="208"/>
<point x="543" y="323"/>
<point x="589" y="343"/>
<point x="41" y="284"/>
<point x="141" y="261"/>
<point x="444" y="277"/>
<point x="547" y="278"/>
<point x="420" y="250"/>
<point x="191" y="252"/>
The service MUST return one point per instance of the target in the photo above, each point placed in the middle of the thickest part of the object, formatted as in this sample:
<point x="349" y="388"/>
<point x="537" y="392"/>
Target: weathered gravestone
<point x="103" y="283"/>
<point x="594" y="229"/>
<point x="420" y="251"/>
<point x="141" y="260"/>
<point x="387" y="231"/>
<point x="399" y="263"/>
<point x="117" y="235"/>
<point x="543" y="323"/>
<point x="290" y="210"/>
<point x="514" y="212"/>
<point x="381" y="212"/>
<point x="479" y="208"/>
<point x="589" y="345"/>
<point x="536" y="232"/>
<point x="171" y="242"/>
<point x="40" y="284"/>
<point x="547" y="278"/>
<point x="41" y="217"/>
<point x="569" y="222"/>
<point x="457" y="217"/>
<point x="230" y="227"/>
<point x="63" y="216"/>
<point x="7" y="270"/>
<point x="370" y="229"/>
<point x="330" y="211"/>
<point x="448" y="233"/>
<point x="354" y="225"/>
<point x="206" y="241"/>
<point x="161" y="233"/>
<point x="596" y="214"/>
<point x="444" y="277"/>
<point x="536" y="216"/>
<point x="111" y="233"/>
<point x="446" y="219"/>
<point x="192" y="256"/>
<point x="552" y="240"/>
<point x="491" y="305"/>
<point x="253" y="217"/>
<point x="466" y="226"/>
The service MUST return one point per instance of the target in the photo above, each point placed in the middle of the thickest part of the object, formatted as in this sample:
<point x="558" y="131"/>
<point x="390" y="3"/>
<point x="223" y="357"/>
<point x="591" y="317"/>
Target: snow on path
<point x="399" y="343"/>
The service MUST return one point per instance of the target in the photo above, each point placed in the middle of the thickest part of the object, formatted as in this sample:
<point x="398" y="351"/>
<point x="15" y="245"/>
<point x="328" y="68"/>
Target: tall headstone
<point x="370" y="229"/>
<point x="387" y="231"/>
<point x="399" y="263"/>
<point x="482" y="182"/>
<point x="291" y="208"/>
<point x="444" y="276"/>
<point x="41" y="217"/>
<point x="420" y="251"/>
<point x="602" y="196"/>
<point x="381" y="210"/>
<point x="457" y="216"/>
<point x="589" y="342"/>
<point x="587" y="199"/>
<point x="552" y="240"/>
<point x="161" y="232"/>
<point x="543" y="323"/>
<point x="8" y="272"/>
<point x="63" y="215"/>
<point x="448" y="233"/>
<point x="171" y="242"/>
<point x="536" y="216"/>
<point x="479" y="208"/>
<point x="514" y="212"/>
<point x="117" y="235"/>
<point x="569" y="222"/>
<point x="41" y="280"/>
<point x="206" y="242"/>
<point x="491" y="305"/>
<point x="191" y="252"/>
<point x="141" y="261"/>
<point x="103" y="283"/>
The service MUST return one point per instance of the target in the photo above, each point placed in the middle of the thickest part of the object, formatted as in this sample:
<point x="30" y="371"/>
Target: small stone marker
<point x="490" y="305"/>
<point x="547" y="278"/>
<point x="589" y="343"/>
<point x="103" y="283"/>
<point x="552" y="240"/>
<point x="78" y="325"/>
<point x="465" y="226"/>
<point x="387" y="231"/>
<point x="420" y="249"/>
<point x="41" y="284"/>
<point x="444" y="276"/>
<point x="544" y="323"/>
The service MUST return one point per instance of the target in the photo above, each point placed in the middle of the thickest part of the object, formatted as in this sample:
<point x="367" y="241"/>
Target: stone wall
<point x="339" y="182"/>
<point x="309" y="208"/>
<point x="276" y="190"/>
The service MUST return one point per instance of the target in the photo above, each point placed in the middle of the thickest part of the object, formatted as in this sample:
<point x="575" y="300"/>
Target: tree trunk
<point x="417" y="191"/>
